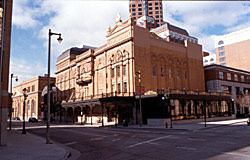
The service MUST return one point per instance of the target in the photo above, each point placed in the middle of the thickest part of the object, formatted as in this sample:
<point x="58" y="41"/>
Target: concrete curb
<point x="223" y="125"/>
<point x="180" y="129"/>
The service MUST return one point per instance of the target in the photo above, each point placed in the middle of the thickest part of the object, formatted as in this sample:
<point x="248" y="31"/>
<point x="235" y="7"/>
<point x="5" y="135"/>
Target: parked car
<point x="16" y="118"/>
<point x="52" y="119"/>
<point x="248" y="121"/>
<point x="33" y="120"/>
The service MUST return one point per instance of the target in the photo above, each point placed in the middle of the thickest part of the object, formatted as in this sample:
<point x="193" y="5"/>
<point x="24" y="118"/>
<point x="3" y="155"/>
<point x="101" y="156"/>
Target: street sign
<point x="140" y="90"/>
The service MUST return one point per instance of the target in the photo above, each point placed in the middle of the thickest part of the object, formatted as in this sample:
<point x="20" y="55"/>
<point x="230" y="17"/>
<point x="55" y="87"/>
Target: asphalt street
<point x="222" y="143"/>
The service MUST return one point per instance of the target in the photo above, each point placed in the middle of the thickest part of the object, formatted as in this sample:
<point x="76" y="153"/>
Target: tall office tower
<point x="233" y="49"/>
<point x="139" y="8"/>
<point x="5" y="28"/>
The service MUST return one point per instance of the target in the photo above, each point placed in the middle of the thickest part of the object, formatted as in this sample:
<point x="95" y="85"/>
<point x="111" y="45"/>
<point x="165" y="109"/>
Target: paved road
<point x="227" y="142"/>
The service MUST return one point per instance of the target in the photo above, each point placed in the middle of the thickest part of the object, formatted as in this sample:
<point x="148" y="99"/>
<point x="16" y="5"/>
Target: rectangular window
<point x="221" y="75"/>
<point x="134" y="14"/>
<point x="33" y="88"/>
<point x="221" y="48"/>
<point x="223" y="64"/>
<point x="150" y="8"/>
<point x="242" y="78"/>
<point x="237" y="90"/>
<point x="139" y="9"/>
<point x="133" y="10"/>
<point x="124" y="70"/>
<point x="140" y="13"/>
<point x="154" y="70"/>
<point x="178" y="74"/>
<point x="118" y="71"/>
<point x="112" y="73"/>
<point x="150" y="12"/>
<point x="221" y="53"/>
<point x="150" y="4"/>
<point x="139" y="5"/>
<point x="157" y="16"/>
<point x="222" y="59"/>
<point x="119" y="88"/>
<point x="156" y="12"/>
<point x="186" y="75"/>
<point x="235" y="77"/>
<point x="156" y="3"/>
<point x="125" y="87"/>
<point x="113" y="88"/>
<point x="248" y="81"/>
<point x="162" y="72"/>
<point x="156" y="7"/>
<point x="28" y="90"/>
<point x="228" y="76"/>
<point x="170" y="73"/>
<point x="133" y="5"/>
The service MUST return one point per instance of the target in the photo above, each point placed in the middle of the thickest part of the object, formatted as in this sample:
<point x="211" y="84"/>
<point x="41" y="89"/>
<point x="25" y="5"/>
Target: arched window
<point x="18" y="109"/>
<point x="211" y="60"/>
<point x="220" y="42"/>
<point x="33" y="107"/>
<point x="206" y="61"/>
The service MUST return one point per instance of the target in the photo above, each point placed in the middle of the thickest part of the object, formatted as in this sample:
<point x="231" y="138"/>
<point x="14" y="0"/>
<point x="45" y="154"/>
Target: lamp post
<point x="166" y="97"/>
<point x="205" y="112"/>
<point x="25" y="96"/>
<point x="139" y="79"/>
<point x="10" y="107"/>
<point x="48" y="85"/>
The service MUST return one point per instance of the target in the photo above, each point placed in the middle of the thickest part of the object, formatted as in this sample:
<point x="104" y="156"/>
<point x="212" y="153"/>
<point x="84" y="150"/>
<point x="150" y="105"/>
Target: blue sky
<point x="86" y="22"/>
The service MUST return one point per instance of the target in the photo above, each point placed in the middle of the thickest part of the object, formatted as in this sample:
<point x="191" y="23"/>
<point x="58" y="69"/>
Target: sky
<point x="83" y="22"/>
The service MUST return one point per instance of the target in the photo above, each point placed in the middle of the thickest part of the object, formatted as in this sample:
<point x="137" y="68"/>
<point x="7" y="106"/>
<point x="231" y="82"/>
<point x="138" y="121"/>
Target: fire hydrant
<point x="166" y="124"/>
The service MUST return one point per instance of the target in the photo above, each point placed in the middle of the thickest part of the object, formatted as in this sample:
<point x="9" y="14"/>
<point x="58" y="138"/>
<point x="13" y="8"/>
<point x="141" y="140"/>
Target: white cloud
<point x="24" y="16"/>
<point x="82" y="22"/>
<point x="209" y="43"/>
<point x="197" y="17"/>
<point x="26" y="69"/>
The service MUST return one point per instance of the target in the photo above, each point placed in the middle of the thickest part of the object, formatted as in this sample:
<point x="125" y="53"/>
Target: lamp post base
<point x="23" y="132"/>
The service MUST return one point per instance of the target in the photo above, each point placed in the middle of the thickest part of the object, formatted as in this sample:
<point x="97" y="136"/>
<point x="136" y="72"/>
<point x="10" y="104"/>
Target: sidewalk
<point x="194" y="126"/>
<point x="29" y="147"/>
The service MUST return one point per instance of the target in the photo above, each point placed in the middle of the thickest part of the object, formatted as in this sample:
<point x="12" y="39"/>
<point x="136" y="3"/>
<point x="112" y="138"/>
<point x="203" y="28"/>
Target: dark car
<point x="248" y="121"/>
<point x="16" y="118"/>
<point x="33" y="120"/>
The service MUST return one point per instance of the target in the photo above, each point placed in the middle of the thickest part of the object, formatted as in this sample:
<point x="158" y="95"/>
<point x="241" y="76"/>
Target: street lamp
<point x="81" y="117"/>
<point x="166" y="97"/>
<point x="48" y="89"/>
<point x="25" y="97"/>
<point x="10" y="107"/>
<point x="140" y="114"/>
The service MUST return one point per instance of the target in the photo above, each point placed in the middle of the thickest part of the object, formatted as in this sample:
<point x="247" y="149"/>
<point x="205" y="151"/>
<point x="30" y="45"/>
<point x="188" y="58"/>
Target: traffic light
<point x="42" y="108"/>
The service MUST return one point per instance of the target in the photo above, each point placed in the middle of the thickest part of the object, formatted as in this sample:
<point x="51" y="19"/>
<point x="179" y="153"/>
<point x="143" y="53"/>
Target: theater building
<point x="35" y="87"/>
<point x="102" y="84"/>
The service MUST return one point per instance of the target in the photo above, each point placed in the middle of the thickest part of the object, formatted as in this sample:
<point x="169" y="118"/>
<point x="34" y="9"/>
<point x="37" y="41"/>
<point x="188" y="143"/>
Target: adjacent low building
<point x="35" y="88"/>
<point x="233" y="81"/>
<point x="210" y="59"/>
